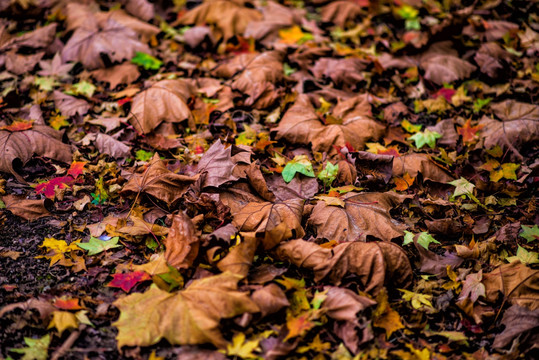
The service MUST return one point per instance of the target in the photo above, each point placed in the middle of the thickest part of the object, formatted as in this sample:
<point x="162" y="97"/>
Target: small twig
<point x="62" y="350"/>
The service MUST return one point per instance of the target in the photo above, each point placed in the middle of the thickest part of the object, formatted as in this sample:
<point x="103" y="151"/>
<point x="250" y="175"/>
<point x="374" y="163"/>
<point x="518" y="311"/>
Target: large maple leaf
<point x="20" y="146"/>
<point x="188" y="317"/>
<point x="363" y="214"/>
<point x="164" y="101"/>
<point x="301" y="124"/>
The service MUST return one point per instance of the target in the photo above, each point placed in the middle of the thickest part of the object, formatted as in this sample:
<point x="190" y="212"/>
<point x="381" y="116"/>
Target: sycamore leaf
<point x="242" y="348"/>
<point x="462" y="187"/>
<point x="329" y="173"/>
<point x="83" y="88"/>
<point x="63" y="320"/>
<point x="418" y="301"/>
<point x="95" y="245"/>
<point x="530" y="233"/>
<point x="57" y="249"/>
<point x="300" y="164"/>
<point x="37" y="348"/>
<point x="187" y="317"/>
<point x="147" y="61"/>
<point x="469" y="132"/>
<point x="426" y="137"/>
<point x="472" y="287"/>
<point x="127" y="281"/>
<point x="404" y="182"/>
<point x="525" y="256"/>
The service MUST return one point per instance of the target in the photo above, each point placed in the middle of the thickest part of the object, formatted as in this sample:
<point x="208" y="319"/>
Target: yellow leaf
<point x="63" y="320"/>
<point x="240" y="347"/>
<point x="509" y="171"/>
<point x="155" y="357"/>
<point x="187" y="317"/>
<point x="418" y="301"/>
<point x="385" y="317"/>
<point x="316" y="345"/>
<point x="300" y="325"/>
<point x="156" y="265"/>
<point x="56" y="249"/>
<point x="57" y="122"/>
<point x="293" y="35"/>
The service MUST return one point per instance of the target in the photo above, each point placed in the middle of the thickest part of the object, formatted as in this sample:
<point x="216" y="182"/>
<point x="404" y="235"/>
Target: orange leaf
<point x="468" y="131"/>
<point x="404" y="182"/>
<point x="18" y="125"/>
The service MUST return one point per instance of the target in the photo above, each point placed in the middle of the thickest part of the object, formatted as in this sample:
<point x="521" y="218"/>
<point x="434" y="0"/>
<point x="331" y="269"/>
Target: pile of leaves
<point x="259" y="180"/>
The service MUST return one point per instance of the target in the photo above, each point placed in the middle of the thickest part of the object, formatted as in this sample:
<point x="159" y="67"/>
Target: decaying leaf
<point x="181" y="243"/>
<point x="275" y="222"/>
<point x="375" y="264"/>
<point x="187" y="317"/>
<point x="364" y="214"/>
<point x="27" y="209"/>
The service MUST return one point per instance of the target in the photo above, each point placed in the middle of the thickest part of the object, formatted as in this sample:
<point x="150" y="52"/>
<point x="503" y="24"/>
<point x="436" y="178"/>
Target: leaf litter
<point x="262" y="180"/>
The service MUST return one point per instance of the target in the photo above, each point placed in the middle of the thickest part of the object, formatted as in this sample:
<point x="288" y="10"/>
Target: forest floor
<point x="262" y="180"/>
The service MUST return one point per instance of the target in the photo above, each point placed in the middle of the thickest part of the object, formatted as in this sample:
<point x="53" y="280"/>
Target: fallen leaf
<point x="187" y="317"/>
<point x="159" y="182"/>
<point x="276" y="222"/>
<point x="96" y="246"/>
<point x="426" y="137"/>
<point x="242" y="347"/>
<point x="124" y="73"/>
<point x="472" y="287"/>
<point x="270" y="299"/>
<point x="518" y="283"/>
<point x="300" y="164"/>
<point x="19" y="146"/>
<point x="181" y="244"/>
<point x="363" y="214"/>
<point x="344" y="305"/>
<point x="165" y="100"/>
<point x="37" y="348"/>
<point x="63" y="320"/>
<point x="69" y="105"/>
<point x="27" y="209"/>
<point x="126" y="281"/>
<point x="301" y="124"/>
<point x="385" y="317"/>
<point x="375" y="264"/>
<point x="520" y="323"/>
<point x="414" y="164"/>
<point x="217" y="165"/>
<point x="530" y="233"/>
<point x="524" y="256"/>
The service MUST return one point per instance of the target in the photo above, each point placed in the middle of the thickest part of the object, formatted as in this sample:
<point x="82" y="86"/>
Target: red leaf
<point x="67" y="304"/>
<point x="77" y="167"/>
<point x="446" y="93"/>
<point x="127" y="281"/>
<point x="19" y="125"/>
<point x="47" y="188"/>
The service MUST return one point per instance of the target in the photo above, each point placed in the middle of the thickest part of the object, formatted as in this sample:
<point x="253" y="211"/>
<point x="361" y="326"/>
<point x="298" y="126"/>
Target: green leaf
<point x="525" y="256"/>
<point x="288" y="70"/>
<point x="407" y="12"/>
<point x="37" y="348"/>
<point x="83" y="88"/>
<point x="143" y="155"/>
<point x="530" y="233"/>
<point x="426" y="137"/>
<point x="147" y="61"/>
<point x="46" y="83"/>
<point x="462" y="187"/>
<point x="423" y="238"/>
<point x="95" y="245"/>
<point x="329" y="173"/>
<point x="300" y="164"/>
<point x="480" y="103"/>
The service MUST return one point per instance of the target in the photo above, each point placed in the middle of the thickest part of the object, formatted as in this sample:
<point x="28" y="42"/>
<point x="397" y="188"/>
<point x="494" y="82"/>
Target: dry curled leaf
<point x="362" y="215"/>
<point x="376" y="264"/>
<point x="275" y="222"/>
<point x="181" y="243"/>
<point x="414" y="164"/>
<point x="187" y="317"/>
<point x="27" y="209"/>
<point x="301" y="124"/>
<point x="165" y="100"/>
<point x="230" y="17"/>
<point x="17" y="147"/>
<point x="344" y="305"/>
<point x="159" y="182"/>
<point x="216" y="166"/>
<point x="270" y="299"/>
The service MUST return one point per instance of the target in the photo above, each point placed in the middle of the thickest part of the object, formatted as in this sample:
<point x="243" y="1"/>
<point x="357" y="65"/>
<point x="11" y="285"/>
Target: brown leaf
<point x="340" y="12"/>
<point x="376" y="264"/>
<point x="492" y="59"/>
<point x="44" y="308"/>
<point x="21" y="64"/>
<point x="238" y="261"/>
<point x="187" y="317"/>
<point x="108" y="145"/>
<point x="490" y="29"/>
<point x="373" y="166"/>
<point x="69" y="105"/>
<point x="159" y="182"/>
<point x="27" y="209"/>
<point x="276" y="17"/>
<point x="217" y="165"/>
<point x="38" y="38"/>
<point x="301" y="124"/>
<point x="443" y="65"/>
<point x="143" y="9"/>
<point x="276" y="222"/>
<point x="181" y="243"/>
<point x="301" y="187"/>
<point x="344" y="305"/>
<point x="343" y="72"/>
<point x="111" y="38"/>
<point x="138" y="226"/>
<point x="521" y="323"/>
<point x="363" y="214"/>
<point x="165" y="100"/>
<point x="518" y="283"/>
<point x="55" y="67"/>
<point x="256" y="76"/>
<point x="19" y="146"/>
<point x="124" y="73"/>
<point x="420" y="163"/>
<point x="270" y="299"/>
<point x="435" y="264"/>
<point x="519" y="126"/>
<point x="230" y="17"/>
